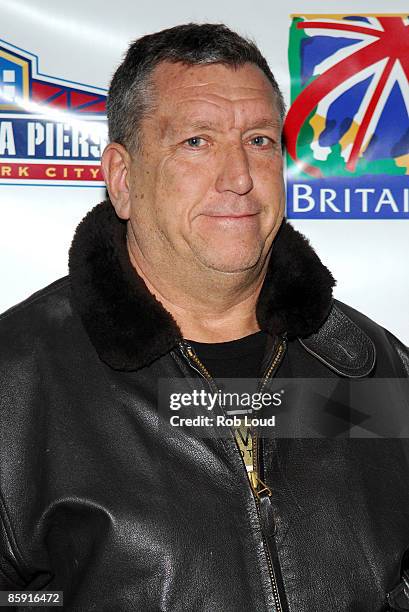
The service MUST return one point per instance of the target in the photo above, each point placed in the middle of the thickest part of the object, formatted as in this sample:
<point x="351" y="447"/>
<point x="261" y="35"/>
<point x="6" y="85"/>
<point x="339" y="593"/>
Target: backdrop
<point x="346" y="76"/>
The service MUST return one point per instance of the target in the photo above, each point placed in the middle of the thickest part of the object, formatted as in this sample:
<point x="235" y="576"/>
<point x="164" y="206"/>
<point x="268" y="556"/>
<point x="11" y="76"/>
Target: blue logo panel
<point x="372" y="197"/>
<point x="11" y="81"/>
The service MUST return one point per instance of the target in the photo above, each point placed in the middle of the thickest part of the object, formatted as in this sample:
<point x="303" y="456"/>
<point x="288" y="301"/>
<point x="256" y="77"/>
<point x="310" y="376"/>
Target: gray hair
<point x="131" y="95"/>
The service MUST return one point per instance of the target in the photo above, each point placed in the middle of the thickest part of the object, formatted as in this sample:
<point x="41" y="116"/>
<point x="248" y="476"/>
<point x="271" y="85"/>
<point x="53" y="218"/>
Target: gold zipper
<point x="276" y="594"/>
<point x="257" y="482"/>
<point x="196" y="359"/>
<point x="277" y="358"/>
<point x="267" y="375"/>
<point x="257" y="485"/>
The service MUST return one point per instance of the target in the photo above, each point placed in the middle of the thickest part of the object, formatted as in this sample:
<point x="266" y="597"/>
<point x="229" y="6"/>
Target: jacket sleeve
<point x="10" y="579"/>
<point x="10" y="575"/>
<point x="401" y="351"/>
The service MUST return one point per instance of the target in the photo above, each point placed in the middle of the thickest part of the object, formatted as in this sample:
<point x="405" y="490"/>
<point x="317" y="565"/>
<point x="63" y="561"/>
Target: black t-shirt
<point x="240" y="358"/>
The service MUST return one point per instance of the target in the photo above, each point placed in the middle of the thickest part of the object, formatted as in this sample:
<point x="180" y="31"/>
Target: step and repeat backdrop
<point x="345" y="78"/>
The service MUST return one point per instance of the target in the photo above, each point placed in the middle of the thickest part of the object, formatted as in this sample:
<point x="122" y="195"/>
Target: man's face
<point x="206" y="189"/>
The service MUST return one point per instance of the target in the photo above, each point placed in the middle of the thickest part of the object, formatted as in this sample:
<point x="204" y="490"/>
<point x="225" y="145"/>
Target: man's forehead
<point x="190" y="80"/>
<point x="213" y="93"/>
<point x="221" y="119"/>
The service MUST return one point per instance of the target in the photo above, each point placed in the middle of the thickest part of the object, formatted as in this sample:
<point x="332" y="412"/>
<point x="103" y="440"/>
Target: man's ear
<point x="115" y="164"/>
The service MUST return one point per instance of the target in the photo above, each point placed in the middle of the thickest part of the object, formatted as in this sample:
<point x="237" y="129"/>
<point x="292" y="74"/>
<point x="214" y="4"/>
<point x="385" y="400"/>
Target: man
<point x="190" y="270"/>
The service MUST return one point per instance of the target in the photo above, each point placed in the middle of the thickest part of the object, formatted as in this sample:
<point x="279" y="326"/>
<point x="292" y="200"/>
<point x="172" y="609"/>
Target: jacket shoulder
<point x="42" y="319"/>
<point x="55" y="291"/>
<point x="57" y="288"/>
<point x="53" y="294"/>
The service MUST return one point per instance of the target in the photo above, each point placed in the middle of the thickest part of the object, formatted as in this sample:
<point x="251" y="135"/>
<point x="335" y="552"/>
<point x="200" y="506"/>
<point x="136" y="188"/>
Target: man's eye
<point x="195" y="142"/>
<point x="261" y="141"/>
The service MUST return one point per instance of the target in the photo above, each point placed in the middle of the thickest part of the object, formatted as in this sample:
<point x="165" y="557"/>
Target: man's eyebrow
<point x="265" y="122"/>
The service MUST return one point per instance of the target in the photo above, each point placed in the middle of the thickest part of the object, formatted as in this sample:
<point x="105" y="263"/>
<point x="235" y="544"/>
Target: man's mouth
<point x="233" y="216"/>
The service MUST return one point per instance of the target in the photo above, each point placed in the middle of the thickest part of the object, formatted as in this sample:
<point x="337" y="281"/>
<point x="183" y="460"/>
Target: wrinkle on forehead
<point x="215" y="86"/>
<point x="226" y="98"/>
<point x="213" y="93"/>
<point x="172" y="77"/>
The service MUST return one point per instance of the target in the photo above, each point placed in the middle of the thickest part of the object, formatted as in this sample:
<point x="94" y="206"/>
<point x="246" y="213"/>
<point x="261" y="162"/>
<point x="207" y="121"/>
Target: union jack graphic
<point x="350" y="92"/>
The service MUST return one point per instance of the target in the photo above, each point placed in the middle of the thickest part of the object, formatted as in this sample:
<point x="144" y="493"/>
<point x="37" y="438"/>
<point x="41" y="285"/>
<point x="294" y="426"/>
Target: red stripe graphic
<point x="392" y="44"/>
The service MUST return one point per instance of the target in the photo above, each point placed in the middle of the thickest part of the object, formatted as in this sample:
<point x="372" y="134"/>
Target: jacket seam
<point x="390" y="338"/>
<point x="21" y="565"/>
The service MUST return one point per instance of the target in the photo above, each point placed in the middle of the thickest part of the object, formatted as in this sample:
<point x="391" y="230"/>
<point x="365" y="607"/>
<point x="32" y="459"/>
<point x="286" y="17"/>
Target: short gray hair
<point x="130" y="95"/>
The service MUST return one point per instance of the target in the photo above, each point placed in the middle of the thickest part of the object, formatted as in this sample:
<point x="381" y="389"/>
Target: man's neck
<point x="206" y="311"/>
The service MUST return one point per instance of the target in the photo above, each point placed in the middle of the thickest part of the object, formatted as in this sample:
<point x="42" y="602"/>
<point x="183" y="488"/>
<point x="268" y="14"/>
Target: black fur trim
<point x="130" y="328"/>
<point x="126" y="324"/>
<point x="296" y="296"/>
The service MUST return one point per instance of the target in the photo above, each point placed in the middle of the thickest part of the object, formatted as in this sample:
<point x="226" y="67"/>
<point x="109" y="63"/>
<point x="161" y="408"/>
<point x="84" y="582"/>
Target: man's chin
<point x="230" y="263"/>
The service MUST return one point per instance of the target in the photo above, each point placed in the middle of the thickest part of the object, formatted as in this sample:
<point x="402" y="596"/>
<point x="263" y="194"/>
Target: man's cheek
<point x="186" y="186"/>
<point x="268" y="169"/>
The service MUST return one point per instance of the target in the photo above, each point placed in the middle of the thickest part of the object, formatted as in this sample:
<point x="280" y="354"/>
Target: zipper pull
<point x="260" y="489"/>
<point x="186" y="348"/>
<point x="267" y="521"/>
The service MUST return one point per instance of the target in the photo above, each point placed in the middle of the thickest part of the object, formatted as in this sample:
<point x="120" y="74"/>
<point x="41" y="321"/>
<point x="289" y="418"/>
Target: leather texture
<point x="343" y="346"/>
<point x="99" y="503"/>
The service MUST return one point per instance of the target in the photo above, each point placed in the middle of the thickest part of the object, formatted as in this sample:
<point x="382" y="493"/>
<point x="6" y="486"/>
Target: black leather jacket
<point x="97" y="502"/>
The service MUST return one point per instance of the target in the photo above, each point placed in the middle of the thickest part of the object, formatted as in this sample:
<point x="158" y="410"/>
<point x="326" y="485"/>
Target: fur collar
<point x="129" y="328"/>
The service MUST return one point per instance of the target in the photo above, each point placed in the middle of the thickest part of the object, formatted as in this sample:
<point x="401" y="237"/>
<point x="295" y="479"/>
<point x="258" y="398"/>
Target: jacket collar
<point x="129" y="328"/>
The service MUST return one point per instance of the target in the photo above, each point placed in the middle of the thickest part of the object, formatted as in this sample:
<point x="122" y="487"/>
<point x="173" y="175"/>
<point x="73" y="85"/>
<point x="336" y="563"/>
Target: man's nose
<point x="234" y="172"/>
